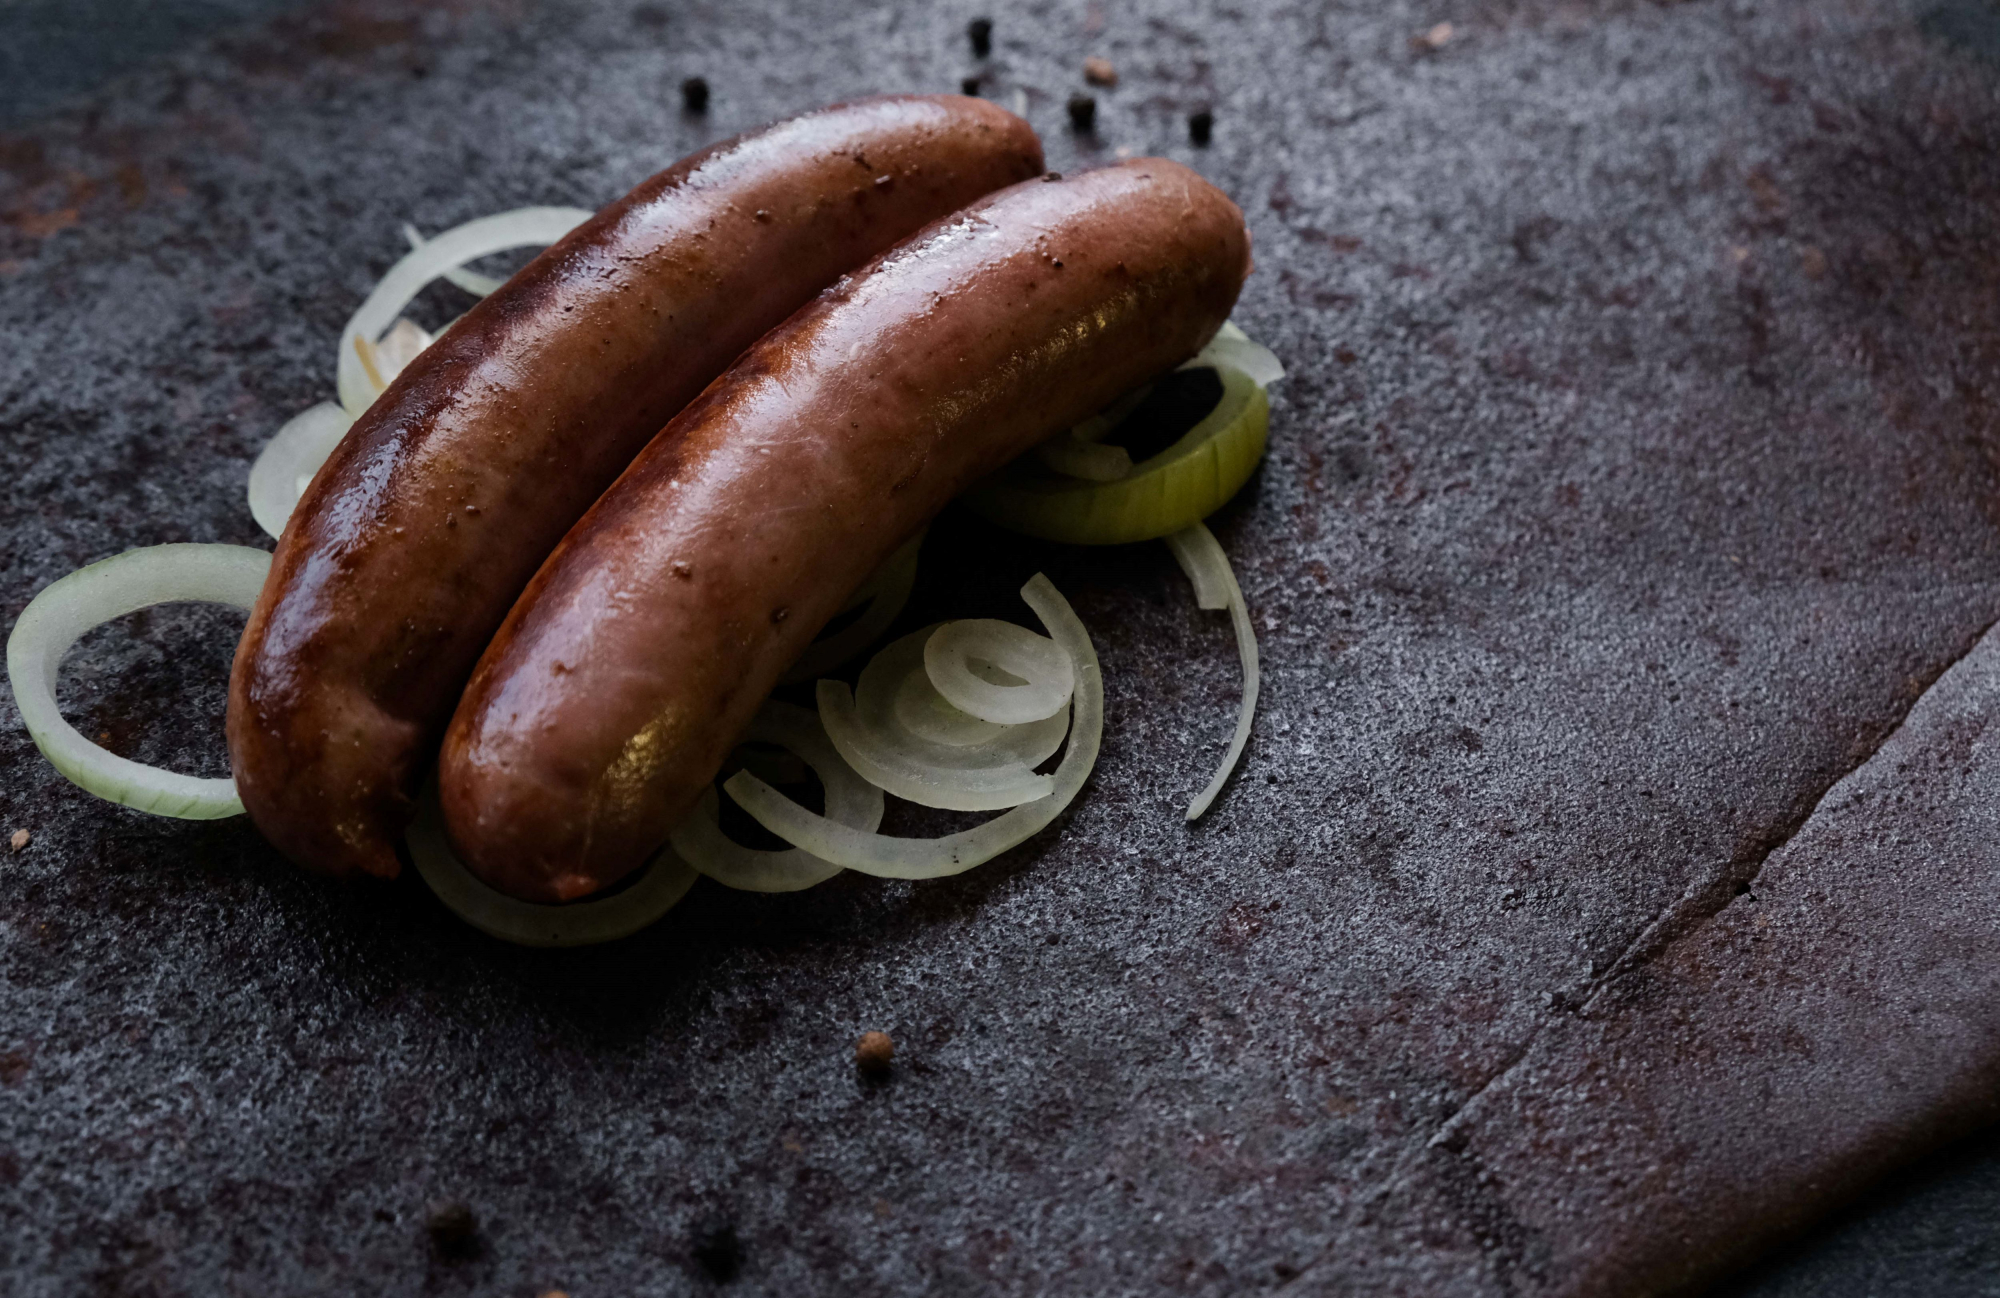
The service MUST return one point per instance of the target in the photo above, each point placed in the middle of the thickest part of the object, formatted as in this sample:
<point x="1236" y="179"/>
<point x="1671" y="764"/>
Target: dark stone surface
<point x="1633" y="481"/>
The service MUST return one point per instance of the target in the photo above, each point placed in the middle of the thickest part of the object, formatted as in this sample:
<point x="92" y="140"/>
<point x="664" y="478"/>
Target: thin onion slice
<point x="470" y="280"/>
<point x="930" y="858"/>
<point x="89" y="597"/>
<point x="921" y="711"/>
<point x="1079" y="453"/>
<point x="1231" y="346"/>
<point x="1201" y="558"/>
<point x="960" y="769"/>
<point x="1180" y="486"/>
<point x="285" y="467"/>
<point x="662" y="883"/>
<point x="1040" y="671"/>
<point x="521" y="227"/>
<point x="885" y="593"/>
<point x="850" y="800"/>
<point x="1070" y="454"/>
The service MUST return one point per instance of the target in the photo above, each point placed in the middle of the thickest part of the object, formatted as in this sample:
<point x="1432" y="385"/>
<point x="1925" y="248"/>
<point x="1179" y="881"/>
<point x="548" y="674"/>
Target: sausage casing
<point x="437" y="507"/>
<point x="618" y="683"/>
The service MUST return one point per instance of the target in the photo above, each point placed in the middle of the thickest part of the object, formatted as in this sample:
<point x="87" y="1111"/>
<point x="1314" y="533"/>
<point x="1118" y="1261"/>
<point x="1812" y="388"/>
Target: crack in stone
<point x="1695" y="907"/>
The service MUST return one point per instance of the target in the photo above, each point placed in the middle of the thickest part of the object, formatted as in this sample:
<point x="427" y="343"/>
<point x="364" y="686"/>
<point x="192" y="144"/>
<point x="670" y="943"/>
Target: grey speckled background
<point x="1632" y="487"/>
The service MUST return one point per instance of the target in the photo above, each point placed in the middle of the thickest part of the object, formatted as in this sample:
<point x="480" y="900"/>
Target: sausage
<point x="443" y="499"/>
<point x="618" y="683"/>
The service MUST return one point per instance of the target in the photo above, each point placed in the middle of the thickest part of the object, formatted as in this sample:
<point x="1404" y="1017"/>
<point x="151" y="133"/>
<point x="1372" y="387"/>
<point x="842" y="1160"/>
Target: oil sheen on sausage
<point x="449" y="492"/>
<point x="619" y="682"/>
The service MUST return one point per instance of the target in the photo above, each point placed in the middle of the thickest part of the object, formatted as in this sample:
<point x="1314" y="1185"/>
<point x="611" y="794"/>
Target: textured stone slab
<point x="1734" y="1081"/>
<point x="1631" y="482"/>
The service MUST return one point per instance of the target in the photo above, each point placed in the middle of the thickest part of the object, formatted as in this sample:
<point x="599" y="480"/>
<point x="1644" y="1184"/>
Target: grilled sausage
<point x="620" y="680"/>
<point x="446" y="495"/>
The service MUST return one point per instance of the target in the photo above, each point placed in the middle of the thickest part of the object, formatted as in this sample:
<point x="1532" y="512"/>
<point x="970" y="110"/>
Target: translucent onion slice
<point x="930" y="858"/>
<point x="923" y="712"/>
<point x="662" y="883"/>
<point x="286" y="465"/>
<point x="1231" y="346"/>
<point x="1180" y="486"/>
<point x="89" y="597"/>
<point x="1041" y="679"/>
<point x="522" y="227"/>
<point x="885" y="593"/>
<point x="1201" y="558"/>
<point x="404" y="342"/>
<point x="1066" y="453"/>
<point x="850" y="800"/>
<point x="470" y="280"/>
<point x="964" y="768"/>
<point x="1078" y="451"/>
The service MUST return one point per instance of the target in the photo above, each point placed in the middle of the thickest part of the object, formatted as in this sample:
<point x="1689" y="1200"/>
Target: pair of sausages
<point x="416" y="536"/>
<point x="624" y="671"/>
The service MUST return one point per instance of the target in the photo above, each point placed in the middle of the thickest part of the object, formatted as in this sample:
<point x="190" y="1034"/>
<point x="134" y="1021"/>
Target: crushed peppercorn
<point x="874" y="1052"/>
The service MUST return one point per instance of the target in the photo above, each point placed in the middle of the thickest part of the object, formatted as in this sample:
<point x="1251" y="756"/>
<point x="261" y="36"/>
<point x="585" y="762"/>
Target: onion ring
<point x="1231" y="346"/>
<point x="89" y="597"/>
<point x="946" y="759"/>
<point x="285" y="467"/>
<point x="470" y="280"/>
<point x="850" y="800"/>
<point x="521" y="227"/>
<point x="931" y="858"/>
<point x="1042" y="674"/>
<point x="663" y="882"/>
<point x="1180" y="486"/>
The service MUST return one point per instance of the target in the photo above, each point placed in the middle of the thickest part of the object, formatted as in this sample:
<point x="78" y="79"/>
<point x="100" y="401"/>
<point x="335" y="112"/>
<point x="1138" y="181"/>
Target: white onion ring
<point x="1201" y="558"/>
<point x="850" y="800"/>
<point x="489" y="234"/>
<point x="285" y="467"/>
<point x="886" y="592"/>
<point x="969" y="769"/>
<point x="663" y="882"/>
<point x="930" y="858"/>
<point x="1036" y="662"/>
<point x="89" y="597"/>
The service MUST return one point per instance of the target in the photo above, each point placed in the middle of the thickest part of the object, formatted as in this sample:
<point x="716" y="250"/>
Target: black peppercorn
<point x="981" y="32"/>
<point x="1200" y="126"/>
<point x="1082" y="113"/>
<point x="969" y="86"/>
<point x="451" y="1226"/>
<point x="694" y="95"/>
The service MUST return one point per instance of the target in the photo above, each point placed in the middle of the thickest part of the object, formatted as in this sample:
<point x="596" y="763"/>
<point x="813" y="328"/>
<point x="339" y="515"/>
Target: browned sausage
<point x="621" y="678"/>
<point x="445" y="496"/>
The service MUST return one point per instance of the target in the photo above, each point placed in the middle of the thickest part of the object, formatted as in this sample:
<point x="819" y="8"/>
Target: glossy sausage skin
<point x="449" y="492"/>
<point x="620" y="680"/>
